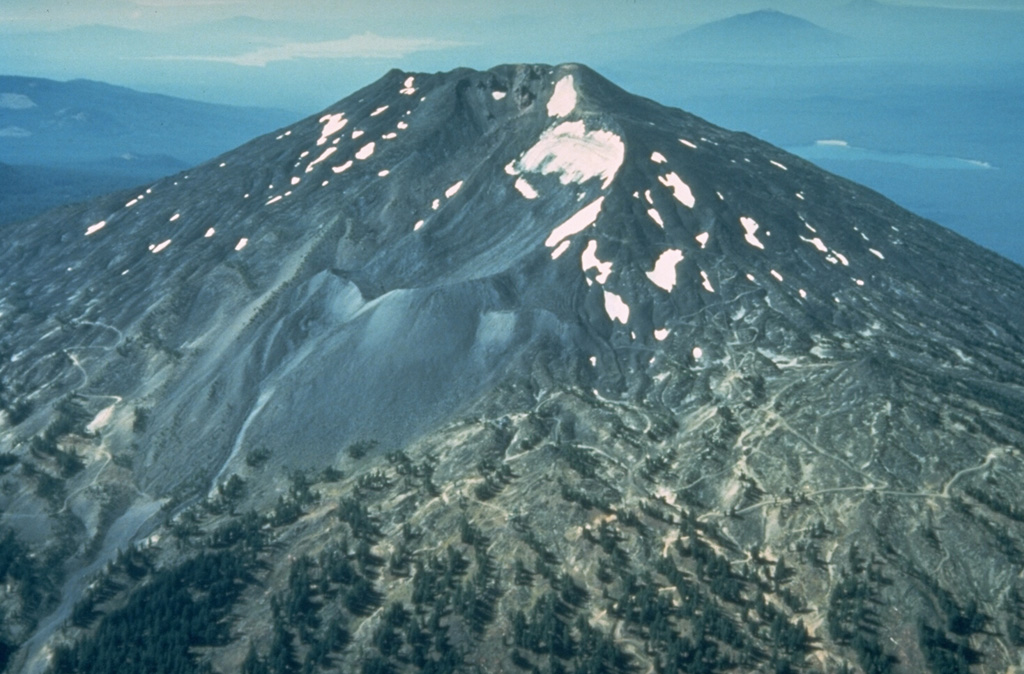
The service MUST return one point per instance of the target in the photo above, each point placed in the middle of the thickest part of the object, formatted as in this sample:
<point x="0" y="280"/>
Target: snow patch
<point x="417" y="226"/>
<point x="877" y="253"/>
<point x="777" y="275"/>
<point x="274" y="200"/>
<point x="174" y="217"/>
<point x="817" y="243"/>
<point x="750" y="226"/>
<point x="451" y="191"/>
<point x="664" y="273"/>
<point x="697" y="352"/>
<point x="160" y="246"/>
<point x="557" y="252"/>
<point x="525" y="188"/>
<point x="210" y="232"/>
<point x="407" y="87"/>
<point x="366" y="150"/>
<point x="615" y="307"/>
<point x="332" y="125"/>
<point x="662" y="334"/>
<point x="563" y="100"/>
<point x="707" y="282"/>
<point x="580" y="220"/>
<point x="436" y="204"/>
<point x="577" y="154"/>
<point x="658" y="158"/>
<point x="384" y="173"/>
<point x="402" y="126"/>
<point x="390" y="136"/>
<point x="326" y="153"/>
<point x="775" y="163"/>
<point x="842" y="258"/>
<point x="656" y="216"/>
<point x="688" y="143"/>
<point x="589" y="260"/>
<point x="344" y="167"/>
<point x="357" y="133"/>
<point x="379" y="110"/>
<point x="497" y="95"/>
<point x="92" y="229"/>
<point x="803" y="293"/>
<point x="242" y="243"/>
<point x="296" y="180"/>
<point x="680" y="190"/>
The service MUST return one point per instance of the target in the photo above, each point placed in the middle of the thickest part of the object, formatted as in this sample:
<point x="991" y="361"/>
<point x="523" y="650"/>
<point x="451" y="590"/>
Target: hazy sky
<point x="303" y="54"/>
<point x="162" y="14"/>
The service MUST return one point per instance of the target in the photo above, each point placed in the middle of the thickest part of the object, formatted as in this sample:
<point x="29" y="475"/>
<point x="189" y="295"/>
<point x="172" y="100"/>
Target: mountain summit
<point x="512" y="369"/>
<point x="764" y="35"/>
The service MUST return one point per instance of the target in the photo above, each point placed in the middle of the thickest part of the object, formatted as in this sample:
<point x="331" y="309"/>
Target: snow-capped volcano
<point x="424" y="249"/>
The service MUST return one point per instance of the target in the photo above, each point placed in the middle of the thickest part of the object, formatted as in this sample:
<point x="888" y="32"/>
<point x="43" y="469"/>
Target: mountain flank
<point x="508" y="370"/>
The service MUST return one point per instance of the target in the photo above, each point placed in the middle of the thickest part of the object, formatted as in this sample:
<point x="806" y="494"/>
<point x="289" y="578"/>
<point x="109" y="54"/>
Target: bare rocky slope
<point x="500" y="371"/>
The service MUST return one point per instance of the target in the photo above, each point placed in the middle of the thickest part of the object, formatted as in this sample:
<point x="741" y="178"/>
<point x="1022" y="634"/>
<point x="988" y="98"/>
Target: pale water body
<point x="840" y="150"/>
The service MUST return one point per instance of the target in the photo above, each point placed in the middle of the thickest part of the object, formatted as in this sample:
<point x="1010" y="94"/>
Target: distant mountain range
<point x="66" y="141"/>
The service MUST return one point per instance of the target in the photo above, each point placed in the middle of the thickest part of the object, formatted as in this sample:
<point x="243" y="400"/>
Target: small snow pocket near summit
<point x="563" y="100"/>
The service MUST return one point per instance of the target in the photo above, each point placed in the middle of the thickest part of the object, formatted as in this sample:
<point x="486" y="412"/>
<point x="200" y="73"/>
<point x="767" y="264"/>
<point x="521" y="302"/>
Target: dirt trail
<point x="36" y="653"/>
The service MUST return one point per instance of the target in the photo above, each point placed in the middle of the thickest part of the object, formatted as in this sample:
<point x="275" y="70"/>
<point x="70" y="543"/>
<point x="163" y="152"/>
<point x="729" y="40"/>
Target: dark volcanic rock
<point x="647" y="313"/>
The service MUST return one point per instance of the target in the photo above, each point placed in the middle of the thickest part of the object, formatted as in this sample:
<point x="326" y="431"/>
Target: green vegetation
<point x="423" y="560"/>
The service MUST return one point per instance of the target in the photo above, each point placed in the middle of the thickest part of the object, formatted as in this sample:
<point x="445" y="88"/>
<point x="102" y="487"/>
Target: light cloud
<point x="367" y="45"/>
<point x="16" y="102"/>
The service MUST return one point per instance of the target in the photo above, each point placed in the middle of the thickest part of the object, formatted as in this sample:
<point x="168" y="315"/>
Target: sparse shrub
<point x="257" y="457"/>
<point x="140" y="420"/>
<point x="359" y="449"/>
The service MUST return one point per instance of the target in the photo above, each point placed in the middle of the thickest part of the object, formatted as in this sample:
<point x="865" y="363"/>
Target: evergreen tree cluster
<point x="24" y="570"/>
<point x="155" y="632"/>
<point x="853" y="617"/>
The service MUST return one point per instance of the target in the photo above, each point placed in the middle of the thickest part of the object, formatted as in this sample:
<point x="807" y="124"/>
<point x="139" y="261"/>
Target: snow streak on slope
<point x="576" y="154"/>
<point x="563" y="100"/>
<point x="582" y="219"/>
